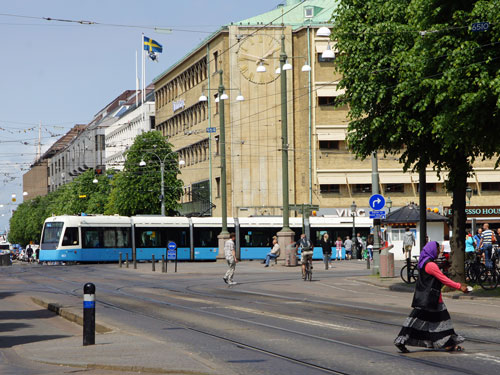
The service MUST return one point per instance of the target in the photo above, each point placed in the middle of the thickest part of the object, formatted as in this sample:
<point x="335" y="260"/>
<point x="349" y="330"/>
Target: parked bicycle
<point x="411" y="276"/>
<point x="474" y="268"/>
<point x="489" y="277"/>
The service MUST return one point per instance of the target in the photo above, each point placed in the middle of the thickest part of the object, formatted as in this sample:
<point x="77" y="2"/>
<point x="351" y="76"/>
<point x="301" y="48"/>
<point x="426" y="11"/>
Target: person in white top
<point x="446" y="247"/>
<point x="274" y="253"/>
<point x="230" y="254"/>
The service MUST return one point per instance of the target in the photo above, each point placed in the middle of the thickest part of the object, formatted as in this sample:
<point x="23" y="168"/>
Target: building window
<point x="217" y="183"/>
<point x="216" y="145"/>
<point x="394" y="188"/>
<point x="362" y="188"/>
<point x="216" y="104"/>
<point x="327" y="100"/>
<point x="490" y="186"/>
<point x="216" y="61"/>
<point x="325" y="60"/>
<point x="329" y="189"/>
<point x="329" y="145"/>
<point x="429" y="188"/>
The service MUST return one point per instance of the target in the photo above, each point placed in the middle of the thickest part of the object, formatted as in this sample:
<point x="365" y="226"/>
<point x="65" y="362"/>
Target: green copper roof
<point x="322" y="11"/>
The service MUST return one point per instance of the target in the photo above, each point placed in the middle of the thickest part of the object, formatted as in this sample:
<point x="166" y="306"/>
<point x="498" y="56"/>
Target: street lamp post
<point x="388" y="204"/>
<point x="162" y="171"/>
<point x="468" y="192"/>
<point x="353" y="214"/>
<point x="224" y="232"/>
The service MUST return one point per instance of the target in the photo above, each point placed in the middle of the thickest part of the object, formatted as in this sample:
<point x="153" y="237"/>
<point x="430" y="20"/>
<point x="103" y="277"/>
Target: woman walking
<point x="326" y="245"/>
<point x="338" y="248"/>
<point x="429" y="324"/>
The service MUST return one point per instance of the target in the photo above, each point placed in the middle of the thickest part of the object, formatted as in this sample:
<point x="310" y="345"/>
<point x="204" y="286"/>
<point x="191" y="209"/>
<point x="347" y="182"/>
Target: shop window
<point x="329" y="145"/>
<point x="490" y="186"/>
<point x="362" y="188"/>
<point x="329" y="189"/>
<point x="394" y="188"/>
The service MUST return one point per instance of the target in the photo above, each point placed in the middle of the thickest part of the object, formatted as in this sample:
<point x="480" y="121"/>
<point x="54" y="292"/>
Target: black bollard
<point x="368" y="260"/>
<point x="120" y="260"/>
<point x="126" y="260"/>
<point x="153" y="263"/>
<point x="88" y="314"/>
<point x="162" y="263"/>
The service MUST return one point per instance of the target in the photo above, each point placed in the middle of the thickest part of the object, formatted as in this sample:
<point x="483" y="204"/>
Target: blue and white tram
<point x="153" y="233"/>
<point x="85" y="238"/>
<point x="103" y="238"/>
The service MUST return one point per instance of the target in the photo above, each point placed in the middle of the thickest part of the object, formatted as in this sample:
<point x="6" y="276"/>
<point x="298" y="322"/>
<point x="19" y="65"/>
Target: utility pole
<point x="286" y="235"/>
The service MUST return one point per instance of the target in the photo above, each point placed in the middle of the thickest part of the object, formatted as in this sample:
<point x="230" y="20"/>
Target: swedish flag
<point x="151" y="45"/>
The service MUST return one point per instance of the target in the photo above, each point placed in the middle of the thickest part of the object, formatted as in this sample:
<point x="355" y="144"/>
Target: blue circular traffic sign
<point x="172" y="245"/>
<point x="377" y="202"/>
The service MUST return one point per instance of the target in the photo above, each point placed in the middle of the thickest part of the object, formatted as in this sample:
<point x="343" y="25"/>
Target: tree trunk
<point x="458" y="184"/>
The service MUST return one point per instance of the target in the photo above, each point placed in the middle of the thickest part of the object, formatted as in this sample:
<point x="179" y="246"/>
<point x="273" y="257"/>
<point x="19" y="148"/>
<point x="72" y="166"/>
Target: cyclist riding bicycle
<point x="306" y="252"/>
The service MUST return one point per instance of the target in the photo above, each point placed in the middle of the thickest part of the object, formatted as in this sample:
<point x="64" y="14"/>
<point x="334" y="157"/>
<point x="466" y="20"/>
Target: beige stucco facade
<point x="322" y="171"/>
<point x="35" y="181"/>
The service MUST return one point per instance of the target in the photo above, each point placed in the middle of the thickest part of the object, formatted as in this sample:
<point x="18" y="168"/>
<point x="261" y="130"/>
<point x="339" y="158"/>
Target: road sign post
<point x="172" y="253"/>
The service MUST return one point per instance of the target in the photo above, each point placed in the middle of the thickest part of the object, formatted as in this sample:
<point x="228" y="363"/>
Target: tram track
<point x="122" y="293"/>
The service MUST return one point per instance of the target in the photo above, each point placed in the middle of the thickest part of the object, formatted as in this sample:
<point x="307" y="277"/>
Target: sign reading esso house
<point x="476" y="211"/>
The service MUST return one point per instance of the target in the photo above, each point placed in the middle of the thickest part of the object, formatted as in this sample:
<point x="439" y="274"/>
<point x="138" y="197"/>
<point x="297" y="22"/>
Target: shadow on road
<point x="32" y="314"/>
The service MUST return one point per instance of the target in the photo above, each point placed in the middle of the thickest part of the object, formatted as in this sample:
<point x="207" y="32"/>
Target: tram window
<point x="206" y="237"/>
<point x="70" y="236"/>
<point x="52" y="232"/>
<point x="109" y="237"/>
<point x="149" y="237"/>
<point x="178" y="235"/>
<point x="90" y="238"/>
<point x="122" y="237"/>
<point x="257" y="237"/>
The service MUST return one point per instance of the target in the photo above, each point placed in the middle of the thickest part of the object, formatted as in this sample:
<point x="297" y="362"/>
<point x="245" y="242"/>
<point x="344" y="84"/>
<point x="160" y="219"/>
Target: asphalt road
<point x="270" y="323"/>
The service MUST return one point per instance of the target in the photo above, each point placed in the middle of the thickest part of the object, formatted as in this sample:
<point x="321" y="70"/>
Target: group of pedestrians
<point x="482" y="244"/>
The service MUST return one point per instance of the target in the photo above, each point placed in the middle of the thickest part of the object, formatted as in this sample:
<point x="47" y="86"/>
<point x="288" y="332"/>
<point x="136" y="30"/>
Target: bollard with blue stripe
<point x="88" y="314"/>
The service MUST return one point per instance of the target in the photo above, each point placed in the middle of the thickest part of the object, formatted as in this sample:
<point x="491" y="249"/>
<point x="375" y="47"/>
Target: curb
<point x="68" y="315"/>
<point x="137" y="369"/>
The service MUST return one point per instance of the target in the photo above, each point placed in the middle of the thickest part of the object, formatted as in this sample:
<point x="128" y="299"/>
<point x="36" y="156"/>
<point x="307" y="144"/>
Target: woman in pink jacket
<point x="429" y="324"/>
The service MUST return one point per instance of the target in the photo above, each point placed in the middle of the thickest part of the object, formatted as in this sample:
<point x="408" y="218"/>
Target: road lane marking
<point x="292" y="318"/>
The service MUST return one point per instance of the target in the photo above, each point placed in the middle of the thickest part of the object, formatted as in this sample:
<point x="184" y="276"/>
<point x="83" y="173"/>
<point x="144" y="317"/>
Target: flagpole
<point x="143" y="81"/>
<point x="136" y="82"/>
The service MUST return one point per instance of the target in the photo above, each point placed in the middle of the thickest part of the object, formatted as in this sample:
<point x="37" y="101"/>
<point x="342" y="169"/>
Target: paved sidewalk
<point x="33" y="340"/>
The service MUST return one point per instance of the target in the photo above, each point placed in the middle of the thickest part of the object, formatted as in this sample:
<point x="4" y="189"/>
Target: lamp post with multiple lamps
<point x="353" y="214"/>
<point x="221" y="97"/>
<point x="285" y="235"/>
<point x="162" y="170"/>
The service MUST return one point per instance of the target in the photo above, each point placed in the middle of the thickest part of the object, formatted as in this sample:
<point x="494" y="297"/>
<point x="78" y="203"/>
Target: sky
<point x="63" y="73"/>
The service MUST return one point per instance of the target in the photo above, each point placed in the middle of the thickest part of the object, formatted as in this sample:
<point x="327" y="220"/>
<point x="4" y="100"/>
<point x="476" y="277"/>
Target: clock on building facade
<point x="255" y="50"/>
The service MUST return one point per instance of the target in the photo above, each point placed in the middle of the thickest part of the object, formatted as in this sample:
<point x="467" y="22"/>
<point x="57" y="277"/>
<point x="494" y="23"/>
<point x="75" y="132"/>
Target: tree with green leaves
<point x="137" y="189"/>
<point x="422" y="85"/>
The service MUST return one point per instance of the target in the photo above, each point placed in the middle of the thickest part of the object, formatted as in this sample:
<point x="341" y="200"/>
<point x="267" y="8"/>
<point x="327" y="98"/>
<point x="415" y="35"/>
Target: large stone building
<point x="322" y="171"/>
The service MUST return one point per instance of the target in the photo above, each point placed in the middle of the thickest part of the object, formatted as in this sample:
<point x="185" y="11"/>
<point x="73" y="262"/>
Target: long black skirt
<point x="429" y="329"/>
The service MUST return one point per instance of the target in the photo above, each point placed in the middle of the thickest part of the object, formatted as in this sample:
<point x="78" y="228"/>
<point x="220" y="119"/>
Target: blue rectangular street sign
<point x="377" y="214"/>
<point x="211" y="130"/>
<point x="480" y="26"/>
<point x="171" y="254"/>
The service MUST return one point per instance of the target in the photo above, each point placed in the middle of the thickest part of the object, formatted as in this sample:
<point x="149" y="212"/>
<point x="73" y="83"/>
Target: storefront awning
<point x="332" y="179"/>
<point x="330" y="91"/>
<point x="489" y="176"/>
<point x="393" y="178"/>
<point x="322" y="46"/>
<point x="331" y="134"/>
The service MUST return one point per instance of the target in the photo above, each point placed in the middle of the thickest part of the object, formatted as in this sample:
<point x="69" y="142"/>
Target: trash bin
<point x="386" y="264"/>
<point x="5" y="259"/>
<point x="290" y="256"/>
